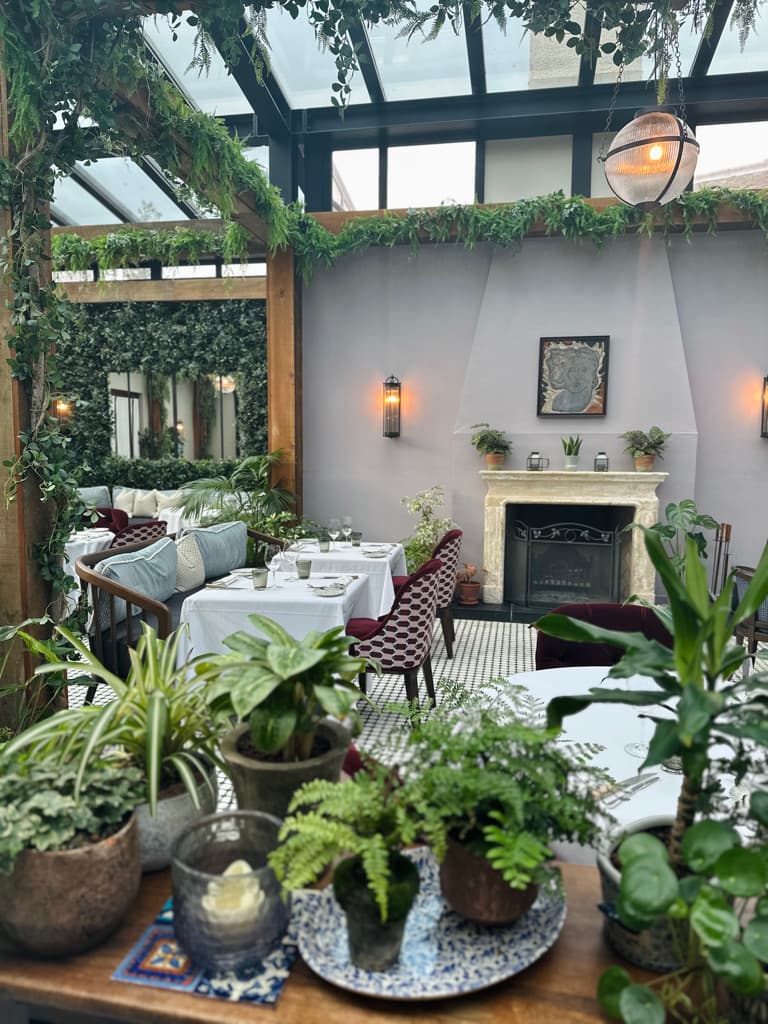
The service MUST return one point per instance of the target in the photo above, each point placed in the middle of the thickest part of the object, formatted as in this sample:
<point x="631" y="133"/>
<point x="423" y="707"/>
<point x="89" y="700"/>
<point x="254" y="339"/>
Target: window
<point x="126" y="422"/>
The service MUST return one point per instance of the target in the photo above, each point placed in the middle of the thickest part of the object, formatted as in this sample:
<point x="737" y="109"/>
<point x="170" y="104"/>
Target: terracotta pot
<point x="495" y="460"/>
<point x="374" y="945"/>
<point x="654" y="948"/>
<point x="477" y="891"/>
<point x="60" y="903"/>
<point x="269" y="785"/>
<point x="469" y="593"/>
<point x="644" y="463"/>
<point x="174" y="813"/>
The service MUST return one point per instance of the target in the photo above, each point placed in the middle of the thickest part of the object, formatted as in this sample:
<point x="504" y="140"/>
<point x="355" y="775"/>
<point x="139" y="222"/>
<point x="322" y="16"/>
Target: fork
<point x="626" y="792"/>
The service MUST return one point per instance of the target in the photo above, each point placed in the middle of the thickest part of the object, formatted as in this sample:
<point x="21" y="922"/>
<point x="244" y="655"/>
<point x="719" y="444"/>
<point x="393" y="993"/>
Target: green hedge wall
<point x="155" y="474"/>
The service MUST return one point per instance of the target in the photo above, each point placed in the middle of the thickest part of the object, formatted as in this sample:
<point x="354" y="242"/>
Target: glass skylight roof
<point x="416" y="69"/>
<point x="729" y="57"/>
<point x="122" y="178"/>
<point x="215" y="92"/>
<point x="72" y="204"/>
<point x="516" y="60"/>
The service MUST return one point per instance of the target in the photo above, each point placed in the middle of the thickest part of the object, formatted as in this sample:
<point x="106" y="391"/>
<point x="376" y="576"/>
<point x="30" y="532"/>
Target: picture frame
<point x="573" y="376"/>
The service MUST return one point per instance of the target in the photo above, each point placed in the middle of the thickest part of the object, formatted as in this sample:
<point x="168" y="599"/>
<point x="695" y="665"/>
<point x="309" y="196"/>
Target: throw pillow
<point x="169" y="499"/>
<point x="145" y="504"/>
<point x="223" y="547"/>
<point x="190" y="569"/>
<point x="151" y="571"/>
<point x="124" y="498"/>
<point x="98" y="497"/>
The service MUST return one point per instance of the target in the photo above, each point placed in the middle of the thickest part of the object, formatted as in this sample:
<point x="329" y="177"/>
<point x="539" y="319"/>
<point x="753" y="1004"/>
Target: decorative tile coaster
<point x="158" y="960"/>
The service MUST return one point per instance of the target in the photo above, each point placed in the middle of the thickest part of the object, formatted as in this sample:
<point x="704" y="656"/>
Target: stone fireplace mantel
<point x="552" y="487"/>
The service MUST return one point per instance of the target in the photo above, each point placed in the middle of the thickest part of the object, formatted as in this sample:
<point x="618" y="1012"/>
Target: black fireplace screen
<point x="561" y="563"/>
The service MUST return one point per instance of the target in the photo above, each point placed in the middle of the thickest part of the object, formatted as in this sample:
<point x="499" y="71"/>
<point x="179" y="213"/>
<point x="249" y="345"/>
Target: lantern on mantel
<point x="651" y="160"/>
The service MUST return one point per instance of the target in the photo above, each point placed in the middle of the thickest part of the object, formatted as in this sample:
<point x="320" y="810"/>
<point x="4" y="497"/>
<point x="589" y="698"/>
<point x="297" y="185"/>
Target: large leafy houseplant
<point x="159" y="722"/>
<point x="487" y="440"/>
<point x="640" y="442"/>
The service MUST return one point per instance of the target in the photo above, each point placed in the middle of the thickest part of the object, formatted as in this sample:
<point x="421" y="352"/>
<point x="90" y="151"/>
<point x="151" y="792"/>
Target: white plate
<point x="443" y="954"/>
<point x="328" y="591"/>
<point x="374" y="554"/>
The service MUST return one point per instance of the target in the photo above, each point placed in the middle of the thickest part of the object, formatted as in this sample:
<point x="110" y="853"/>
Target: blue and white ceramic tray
<point x="443" y="954"/>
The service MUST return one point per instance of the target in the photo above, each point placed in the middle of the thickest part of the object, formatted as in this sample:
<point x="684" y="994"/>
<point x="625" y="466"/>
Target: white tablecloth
<point x="347" y="559"/>
<point x="84" y="542"/>
<point x="212" y="613"/>
<point x="176" y="520"/>
<point x="613" y="726"/>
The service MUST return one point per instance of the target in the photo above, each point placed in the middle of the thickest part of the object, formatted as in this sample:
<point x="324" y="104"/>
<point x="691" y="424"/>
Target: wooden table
<point x="558" y="989"/>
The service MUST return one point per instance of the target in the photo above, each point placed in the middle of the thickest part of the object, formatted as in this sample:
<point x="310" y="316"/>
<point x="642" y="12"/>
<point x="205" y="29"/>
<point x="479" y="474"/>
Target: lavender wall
<point x="461" y="329"/>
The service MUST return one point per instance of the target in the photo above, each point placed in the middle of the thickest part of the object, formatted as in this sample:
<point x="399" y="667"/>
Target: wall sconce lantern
<point x="764" y="410"/>
<point x="62" y="409"/>
<point x="391" y="404"/>
<point x="180" y="428"/>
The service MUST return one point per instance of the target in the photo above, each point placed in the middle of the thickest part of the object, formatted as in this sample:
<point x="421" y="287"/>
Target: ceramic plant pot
<point x="477" y="891"/>
<point x="644" y="463"/>
<point x="269" y="785"/>
<point x="174" y="813"/>
<point x="374" y="945"/>
<point x="495" y="460"/>
<point x="64" y="902"/>
<point x="571" y="462"/>
<point x="469" y="593"/>
<point x="655" y="948"/>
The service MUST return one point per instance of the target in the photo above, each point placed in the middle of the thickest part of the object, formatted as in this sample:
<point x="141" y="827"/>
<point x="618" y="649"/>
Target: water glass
<point x="303" y="568"/>
<point x="324" y="544"/>
<point x="357" y="536"/>
<point x="260" y="577"/>
<point x="228" y="912"/>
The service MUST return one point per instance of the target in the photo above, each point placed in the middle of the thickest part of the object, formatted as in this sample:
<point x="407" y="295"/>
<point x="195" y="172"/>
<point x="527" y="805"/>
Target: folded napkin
<point x="222" y="584"/>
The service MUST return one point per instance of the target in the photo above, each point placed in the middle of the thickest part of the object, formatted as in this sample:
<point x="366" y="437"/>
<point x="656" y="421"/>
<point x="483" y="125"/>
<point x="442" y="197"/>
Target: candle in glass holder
<point x="234" y="899"/>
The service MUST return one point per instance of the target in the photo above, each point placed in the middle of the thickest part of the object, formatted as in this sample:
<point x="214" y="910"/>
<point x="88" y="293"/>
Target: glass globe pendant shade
<point x="651" y="160"/>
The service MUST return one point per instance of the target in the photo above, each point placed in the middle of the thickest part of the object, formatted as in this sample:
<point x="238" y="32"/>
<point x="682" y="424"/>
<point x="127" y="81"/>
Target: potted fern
<point x="492" y="443"/>
<point x="644" y="447"/>
<point x="571" y="450"/>
<point x="366" y="821"/>
<point x="290" y="699"/>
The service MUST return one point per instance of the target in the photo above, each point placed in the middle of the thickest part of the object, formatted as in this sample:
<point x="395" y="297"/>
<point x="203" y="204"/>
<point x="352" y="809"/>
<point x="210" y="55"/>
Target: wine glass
<point x="346" y="528"/>
<point x="290" y="557"/>
<point x="334" y="529"/>
<point x="273" y="557"/>
<point x="638" y="748"/>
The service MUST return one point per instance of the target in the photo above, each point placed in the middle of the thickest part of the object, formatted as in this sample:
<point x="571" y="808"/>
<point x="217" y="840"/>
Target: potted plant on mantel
<point x="645" y="447"/>
<point x="467" y="587"/>
<point x="571" y="450"/>
<point x="281" y="691"/>
<point x="491" y="443"/>
<point x="704" y="711"/>
<point x="69" y="865"/>
<point x="159" y="722"/>
<point x="366" y="821"/>
<point x="494" y="788"/>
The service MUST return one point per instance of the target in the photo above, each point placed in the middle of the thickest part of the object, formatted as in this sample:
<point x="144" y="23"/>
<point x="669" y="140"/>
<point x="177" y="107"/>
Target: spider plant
<point x="159" y="721"/>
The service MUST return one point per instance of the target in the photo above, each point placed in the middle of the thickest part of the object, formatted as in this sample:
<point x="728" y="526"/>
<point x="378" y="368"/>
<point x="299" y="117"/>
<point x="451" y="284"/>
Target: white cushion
<point x="145" y="504"/>
<point x="167" y="499"/>
<point x="190" y="569"/>
<point x="124" y="498"/>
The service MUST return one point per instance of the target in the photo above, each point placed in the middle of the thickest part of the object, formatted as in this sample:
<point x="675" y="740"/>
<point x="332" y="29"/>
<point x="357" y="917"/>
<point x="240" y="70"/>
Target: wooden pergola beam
<point x="170" y="290"/>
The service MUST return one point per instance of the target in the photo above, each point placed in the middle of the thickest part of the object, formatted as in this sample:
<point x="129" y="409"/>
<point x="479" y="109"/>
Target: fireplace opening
<point x="564" y="554"/>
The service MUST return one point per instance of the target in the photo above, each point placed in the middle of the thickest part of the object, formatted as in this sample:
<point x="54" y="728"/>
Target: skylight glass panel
<point x="78" y="206"/>
<point x="730" y="58"/>
<point x="214" y="91"/>
<point x="417" y="68"/>
<point x="641" y="70"/>
<point x="303" y="70"/>
<point x="516" y="60"/>
<point x="132" y="188"/>
<point x="732" y="155"/>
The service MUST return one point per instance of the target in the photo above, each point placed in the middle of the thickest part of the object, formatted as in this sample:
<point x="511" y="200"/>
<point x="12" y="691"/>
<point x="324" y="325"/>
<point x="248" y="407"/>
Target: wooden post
<point x="22" y="591"/>
<point x="284" y="400"/>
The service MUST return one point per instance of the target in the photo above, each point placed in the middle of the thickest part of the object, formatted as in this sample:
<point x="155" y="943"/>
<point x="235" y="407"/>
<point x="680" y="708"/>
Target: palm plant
<point x="159" y="721"/>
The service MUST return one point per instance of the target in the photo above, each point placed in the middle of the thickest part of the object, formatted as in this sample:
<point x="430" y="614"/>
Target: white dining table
<point x="213" y="613"/>
<point x="348" y="559"/>
<point x="82" y="542"/>
<point x="613" y="726"/>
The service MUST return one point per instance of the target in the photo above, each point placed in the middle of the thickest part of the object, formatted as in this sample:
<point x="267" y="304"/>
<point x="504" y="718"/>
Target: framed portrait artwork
<point x="573" y="376"/>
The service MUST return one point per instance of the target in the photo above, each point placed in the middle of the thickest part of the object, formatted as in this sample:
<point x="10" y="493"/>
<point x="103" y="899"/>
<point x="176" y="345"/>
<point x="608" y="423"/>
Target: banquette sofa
<point x="148" y="582"/>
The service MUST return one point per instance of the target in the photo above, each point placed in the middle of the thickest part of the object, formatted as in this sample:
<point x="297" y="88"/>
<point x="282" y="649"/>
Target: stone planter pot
<point x="374" y="945"/>
<point x="571" y="462"/>
<point x="469" y="593"/>
<point x="477" y="891"/>
<point x="269" y="785"/>
<point x="644" y="463"/>
<point x="654" y="948"/>
<point x="174" y="813"/>
<point x="64" y="902"/>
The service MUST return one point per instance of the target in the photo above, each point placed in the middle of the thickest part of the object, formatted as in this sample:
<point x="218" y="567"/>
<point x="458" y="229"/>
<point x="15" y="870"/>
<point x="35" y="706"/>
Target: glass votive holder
<point x="303" y="568"/>
<point x="602" y="463"/>
<point x="324" y="544"/>
<point x="357" y="536"/>
<point x="260" y="577"/>
<point x="228" y="911"/>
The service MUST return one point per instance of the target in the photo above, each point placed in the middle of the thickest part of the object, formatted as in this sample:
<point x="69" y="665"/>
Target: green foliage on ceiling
<point x="128" y="247"/>
<point x="190" y="339"/>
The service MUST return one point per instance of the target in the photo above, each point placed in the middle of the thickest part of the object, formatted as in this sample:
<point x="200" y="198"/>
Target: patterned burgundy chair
<point x="401" y="640"/>
<point x="552" y="652"/>
<point x="447" y="550"/>
<point x="113" y="519"/>
<point x="152" y="529"/>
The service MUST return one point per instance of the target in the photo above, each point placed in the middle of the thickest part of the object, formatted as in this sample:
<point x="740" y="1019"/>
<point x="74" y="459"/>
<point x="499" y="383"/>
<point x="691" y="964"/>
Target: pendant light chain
<point x="679" y="69"/>
<point x="609" y="119"/>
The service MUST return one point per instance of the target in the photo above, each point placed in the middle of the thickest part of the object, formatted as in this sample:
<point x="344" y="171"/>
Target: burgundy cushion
<point x="353" y="762"/>
<point x="113" y="519"/>
<point x="361" y="628"/>
<point x="398" y="581"/>
<point x="552" y="652"/>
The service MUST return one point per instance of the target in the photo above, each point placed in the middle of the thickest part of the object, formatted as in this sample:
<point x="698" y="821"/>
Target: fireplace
<point x="602" y="502"/>
<point x="560" y="554"/>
